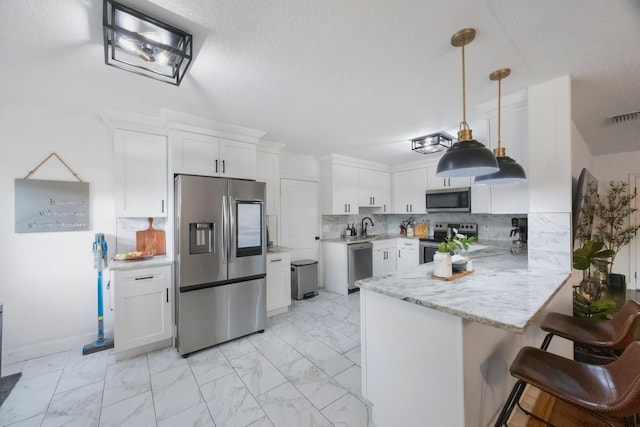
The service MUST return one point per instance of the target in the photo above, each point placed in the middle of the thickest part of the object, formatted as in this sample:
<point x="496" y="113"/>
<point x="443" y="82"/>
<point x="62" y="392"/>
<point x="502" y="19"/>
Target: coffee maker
<point x="519" y="229"/>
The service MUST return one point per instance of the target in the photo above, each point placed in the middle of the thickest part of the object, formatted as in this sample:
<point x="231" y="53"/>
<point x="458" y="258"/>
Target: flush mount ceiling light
<point x="467" y="157"/>
<point x="431" y="143"/>
<point x="144" y="45"/>
<point x="510" y="171"/>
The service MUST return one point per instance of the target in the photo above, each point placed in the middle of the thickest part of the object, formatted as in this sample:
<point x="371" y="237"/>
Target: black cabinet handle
<point x="167" y="294"/>
<point x="216" y="165"/>
<point x="144" y="278"/>
<point x="223" y="167"/>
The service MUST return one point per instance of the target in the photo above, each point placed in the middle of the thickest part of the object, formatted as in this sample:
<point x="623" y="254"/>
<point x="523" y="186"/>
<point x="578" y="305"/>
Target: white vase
<point x="442" y="264"/>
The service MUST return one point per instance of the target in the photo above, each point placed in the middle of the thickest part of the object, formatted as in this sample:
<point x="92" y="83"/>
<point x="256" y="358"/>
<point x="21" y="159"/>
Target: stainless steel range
<point x="443" y="231"/>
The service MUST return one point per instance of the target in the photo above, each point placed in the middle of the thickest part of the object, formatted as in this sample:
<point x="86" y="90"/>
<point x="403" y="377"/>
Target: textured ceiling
<point x="357" y="77"/>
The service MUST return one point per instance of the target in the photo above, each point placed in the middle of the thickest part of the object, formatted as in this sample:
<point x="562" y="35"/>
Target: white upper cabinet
<point x="238" y="159"/>
<point x="199" y="154"/>
<point x="374" y="188"/>
<point x="409" y="189"/>
<point x="437" y="183"/>
<point x="340" y="189"/>
<point x="195" y="154"/>
<point x="140" y="168"/>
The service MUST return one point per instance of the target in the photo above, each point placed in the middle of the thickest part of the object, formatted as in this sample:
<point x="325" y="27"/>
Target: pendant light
<point x="510" y="171"/>
<point x="467" y="157"/>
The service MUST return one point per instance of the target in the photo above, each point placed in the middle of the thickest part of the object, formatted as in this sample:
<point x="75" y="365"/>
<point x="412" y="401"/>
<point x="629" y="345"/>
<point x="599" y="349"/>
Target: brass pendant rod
<point x="499" y="108"/>
<point x="464" y="97"/>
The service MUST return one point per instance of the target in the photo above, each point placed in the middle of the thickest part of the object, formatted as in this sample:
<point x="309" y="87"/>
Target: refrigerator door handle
<point x="225" y="228"/>
<point x="231" y="246"/>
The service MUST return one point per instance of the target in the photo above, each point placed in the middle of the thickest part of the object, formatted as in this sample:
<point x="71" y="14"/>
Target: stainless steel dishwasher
<point x="359" y="263"/>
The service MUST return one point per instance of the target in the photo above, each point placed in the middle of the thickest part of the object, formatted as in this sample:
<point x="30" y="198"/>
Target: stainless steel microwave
<point x="449" y="200"/>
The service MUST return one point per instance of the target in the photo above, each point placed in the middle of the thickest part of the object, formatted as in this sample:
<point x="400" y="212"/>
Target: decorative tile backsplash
<point x="550" y="240"/>
<point x="490" y="227"/>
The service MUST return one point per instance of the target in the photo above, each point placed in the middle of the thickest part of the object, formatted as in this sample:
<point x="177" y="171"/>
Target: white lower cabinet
<point x="142" y="316"/>
<point x="278" y="282"/>
<point x="408" y="253"/>
<point x="384" y="257"/>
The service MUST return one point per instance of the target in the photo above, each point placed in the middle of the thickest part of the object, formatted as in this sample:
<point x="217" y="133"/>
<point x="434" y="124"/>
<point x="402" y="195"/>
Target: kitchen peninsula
<point x="438" y="352"/>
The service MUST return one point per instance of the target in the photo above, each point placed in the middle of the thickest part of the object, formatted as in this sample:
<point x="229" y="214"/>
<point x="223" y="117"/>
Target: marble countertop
<point x="128" y="265"/>
<point x="359" y="239"/>
<point x="501" y="292"/>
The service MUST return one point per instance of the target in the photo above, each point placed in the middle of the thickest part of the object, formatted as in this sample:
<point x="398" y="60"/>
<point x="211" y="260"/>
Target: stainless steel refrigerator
<point x="220" y="260"/>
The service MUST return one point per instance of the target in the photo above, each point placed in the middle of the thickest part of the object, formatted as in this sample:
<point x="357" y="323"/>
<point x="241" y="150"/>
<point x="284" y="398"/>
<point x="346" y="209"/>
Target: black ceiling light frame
<point x="467" y="157"/>
<point x="136" y="42"/>
<point x="432" y="143"/>
<point x="510" y="171"/>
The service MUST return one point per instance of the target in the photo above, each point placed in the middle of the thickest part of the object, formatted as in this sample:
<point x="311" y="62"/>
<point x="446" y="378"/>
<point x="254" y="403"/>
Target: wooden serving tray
<point x="454" y="276"/>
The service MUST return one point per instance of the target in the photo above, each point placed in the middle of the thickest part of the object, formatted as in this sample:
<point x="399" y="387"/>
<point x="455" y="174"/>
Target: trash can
<point x="304" y="279"/>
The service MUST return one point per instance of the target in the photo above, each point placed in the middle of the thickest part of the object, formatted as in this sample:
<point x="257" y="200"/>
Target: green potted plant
<point x="588" y="301"/>
<point x="614" y="211"/>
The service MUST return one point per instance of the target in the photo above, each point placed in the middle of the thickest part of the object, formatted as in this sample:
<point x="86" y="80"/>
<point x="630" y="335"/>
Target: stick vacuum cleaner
<point x="100" y="261"/>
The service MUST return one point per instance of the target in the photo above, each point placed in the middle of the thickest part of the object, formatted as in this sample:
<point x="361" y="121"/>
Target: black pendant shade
<point x="510" y="173"/>
<point x="466" y="158"/>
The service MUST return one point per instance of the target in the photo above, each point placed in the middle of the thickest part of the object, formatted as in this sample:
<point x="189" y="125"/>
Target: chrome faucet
<point x="363" y="226"/>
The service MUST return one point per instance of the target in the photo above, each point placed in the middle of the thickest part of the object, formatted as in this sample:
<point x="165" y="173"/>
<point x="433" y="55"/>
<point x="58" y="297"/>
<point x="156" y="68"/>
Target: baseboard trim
<point x="32" y="351"/>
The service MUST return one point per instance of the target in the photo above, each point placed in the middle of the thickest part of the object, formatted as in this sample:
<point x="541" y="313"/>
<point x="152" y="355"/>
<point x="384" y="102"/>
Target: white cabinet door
<point x="385" y="193"/>
<point x="278" y="283"/>
<point x="418" y="189"/>
<point x="409" y="189"/>
<point x="401" y="192"/>
<point x="389" y="260"/>
<point x="237" y="159"/>
<point x="142" y="307"/>
<point x="140" y="168"/>
<point x="344" y="189"/>
<point x="268" y="171"/>
<point x="408" y="254"/>
<point x="384" y="256"/>
<point x="198" y="154"/>
<point x="371" y="186"/>
<point x="195" y="154"/>
<point x="437" y="183"/>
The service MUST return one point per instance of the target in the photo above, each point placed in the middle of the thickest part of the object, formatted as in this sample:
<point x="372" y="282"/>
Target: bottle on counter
<point x="349" y="230"/>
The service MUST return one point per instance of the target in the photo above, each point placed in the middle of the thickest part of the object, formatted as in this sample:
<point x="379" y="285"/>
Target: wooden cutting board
<point x="151" y="240"/>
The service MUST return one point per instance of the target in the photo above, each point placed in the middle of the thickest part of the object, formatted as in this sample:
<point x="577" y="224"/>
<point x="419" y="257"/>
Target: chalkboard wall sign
<point x="48" y="206"/>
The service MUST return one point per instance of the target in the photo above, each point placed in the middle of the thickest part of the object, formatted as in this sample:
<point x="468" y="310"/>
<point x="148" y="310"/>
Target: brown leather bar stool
<point x="614" y="335"/>
<point x="610" y="392"/>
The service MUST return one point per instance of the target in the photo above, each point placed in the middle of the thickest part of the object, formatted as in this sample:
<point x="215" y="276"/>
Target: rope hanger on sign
<point x="61" y="161"/>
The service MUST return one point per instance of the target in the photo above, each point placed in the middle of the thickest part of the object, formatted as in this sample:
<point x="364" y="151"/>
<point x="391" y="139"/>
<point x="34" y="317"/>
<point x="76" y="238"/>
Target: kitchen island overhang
<point x="438" y="352"/>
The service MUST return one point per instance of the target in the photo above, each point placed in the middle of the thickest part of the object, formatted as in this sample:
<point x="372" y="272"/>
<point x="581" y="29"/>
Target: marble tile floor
<point x="304" y="370"/>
